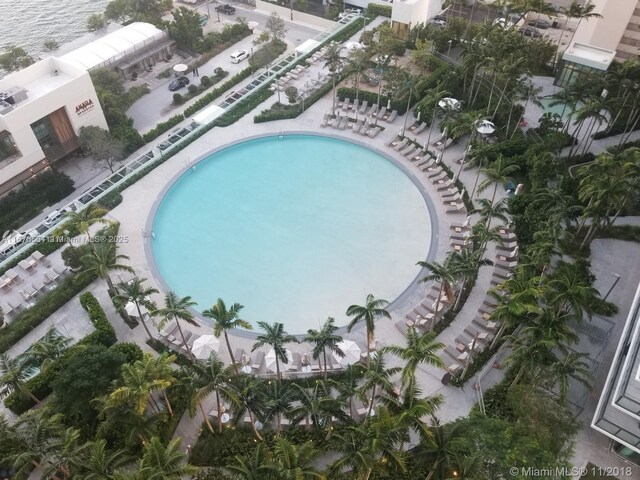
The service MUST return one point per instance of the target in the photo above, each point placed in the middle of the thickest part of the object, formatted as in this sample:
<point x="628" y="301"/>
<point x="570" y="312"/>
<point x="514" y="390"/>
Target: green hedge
<point x="375" y="10"/>
<point x="22" y="205"/>
<point x="243" y="108"/>
<point x="278" y="111"/>
<point x="162" y="127"/>
<point x="40" y="385"/>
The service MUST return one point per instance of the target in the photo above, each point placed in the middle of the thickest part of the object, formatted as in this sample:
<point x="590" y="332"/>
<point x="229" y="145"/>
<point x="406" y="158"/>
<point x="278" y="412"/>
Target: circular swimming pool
<point x="296" y="228"/>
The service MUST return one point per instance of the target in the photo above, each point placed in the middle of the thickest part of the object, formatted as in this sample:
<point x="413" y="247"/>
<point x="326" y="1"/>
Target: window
<point x="8" y="149"/>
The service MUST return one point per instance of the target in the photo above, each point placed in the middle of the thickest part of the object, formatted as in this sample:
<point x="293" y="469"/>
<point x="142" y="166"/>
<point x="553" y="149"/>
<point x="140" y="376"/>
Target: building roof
<point x="588" y="55"/>
<point x="618" y="412"/>
<point x="115" y="46"/>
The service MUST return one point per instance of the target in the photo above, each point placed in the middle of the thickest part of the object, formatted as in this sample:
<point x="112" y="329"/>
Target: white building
<point x="406" y="14"/>
<point x="42" y="109"/>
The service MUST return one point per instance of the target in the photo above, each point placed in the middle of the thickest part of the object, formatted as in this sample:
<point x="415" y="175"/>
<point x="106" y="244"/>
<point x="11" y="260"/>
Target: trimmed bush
<point x="22" y="205"/>
<point x="131" y="351"/>
<point x="374" y="10"/>
<point x="193" y="89"/>
<point x="177" y="99"/>
<point x="162" y="127"/>
<point x="111" y="200"/>
<point x="104" y="333"/>
<point x="205" y="81"/>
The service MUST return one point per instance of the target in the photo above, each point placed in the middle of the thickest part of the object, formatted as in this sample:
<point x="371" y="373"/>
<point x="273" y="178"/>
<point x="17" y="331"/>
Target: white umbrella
<point x="204" y="346"/>
<point x="253" y="25"/>
<point x="132" y="310"/>
<point x="389" y="104"/>
<point x="419" y="115"/>
<point x="353" y="46"/>
<point x="270" y="360"/>
<point x="449" y="103"/>
<point x="351" y="351"/>
<point x="485" y="127"/>
<point x="180" y="68"/>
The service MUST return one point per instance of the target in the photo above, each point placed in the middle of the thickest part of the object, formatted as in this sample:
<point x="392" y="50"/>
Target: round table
<point x="246" y="369"/>
<point x="225" y="417"/>
<point x="306" y="368"/>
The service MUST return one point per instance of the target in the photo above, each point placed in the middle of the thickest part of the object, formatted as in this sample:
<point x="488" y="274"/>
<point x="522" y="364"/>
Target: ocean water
<point x="295" y="229"/>
<point x="28" y="23"/>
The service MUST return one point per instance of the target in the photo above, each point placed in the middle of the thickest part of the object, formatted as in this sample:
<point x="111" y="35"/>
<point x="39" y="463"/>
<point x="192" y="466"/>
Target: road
<point x="157" y="106"/>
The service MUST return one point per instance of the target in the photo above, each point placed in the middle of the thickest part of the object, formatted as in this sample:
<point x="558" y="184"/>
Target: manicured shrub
<point x="162" y="127"/>
<point x="205" y="81"/>
<point x="177" y="99"/>
<point x="111" y="200"/>
<point x="104" y="333"/>
<point x="193" y="89"/>
<point x="374" y="10"/>
<point x="72" y="255"/>
<point x="131" y="351"/>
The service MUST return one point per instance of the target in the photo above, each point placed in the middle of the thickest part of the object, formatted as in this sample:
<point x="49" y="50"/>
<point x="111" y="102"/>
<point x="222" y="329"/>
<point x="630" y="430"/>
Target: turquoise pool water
<point x="559" y="109"/>
<point x="296" y="229"/>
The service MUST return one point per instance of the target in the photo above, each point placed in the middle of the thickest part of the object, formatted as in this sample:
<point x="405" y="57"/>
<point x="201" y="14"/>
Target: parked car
<point x="440" y="22"/>
<point x="530" y="32"/>
<point x="539" y="24"/>
<point x="178" y="83"/>
<point x="503" y="22"/>
<point x="239" y="55"/>
<point x="53" y="218"/>
<point x="226" y="9"/>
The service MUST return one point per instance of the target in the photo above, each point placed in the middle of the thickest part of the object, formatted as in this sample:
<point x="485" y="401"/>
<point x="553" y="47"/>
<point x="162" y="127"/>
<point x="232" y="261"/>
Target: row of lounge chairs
<point x="341" y="122"/>
<point x="368" y="110"/>
<point x="481" y="332"/>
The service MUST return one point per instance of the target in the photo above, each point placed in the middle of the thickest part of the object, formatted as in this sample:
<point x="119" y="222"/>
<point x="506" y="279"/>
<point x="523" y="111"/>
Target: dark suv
<point x="226" y="9"/>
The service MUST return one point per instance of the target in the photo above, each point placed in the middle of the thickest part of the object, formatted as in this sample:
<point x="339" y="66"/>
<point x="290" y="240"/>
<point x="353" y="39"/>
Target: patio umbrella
<point x="389" y="105"/>
<point x="419" y="115"/>
<point x="270" y="361"/>
<point x="353" y="46"/>
<point x="132" y="310"/>
<point x="180" y="68"/>
<point x="351" y="351"/>
<point x="253" y="25"/>
<point x="485" y="127"/>
<point x="449" y="103"/>
<point x="204" y="346"/>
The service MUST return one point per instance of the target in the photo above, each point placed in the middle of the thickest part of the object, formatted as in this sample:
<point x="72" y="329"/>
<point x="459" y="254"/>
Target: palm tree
<point x="213" y="377"/>
<point x="123" y="418"/>
<point x="98" y="462"/>
<point x="444" y="273"/>
<point x="14" y="374"/>
<point x="139" y="382"/>
<point x="348" y="387"/>
<point x="102" y="260"/>
<point x="434" y="96"/>
<point x="45" y="351"/>
<point x="572" y="367"/>
<point x="570" y="290"/>
<point x="368" y="313"/>
<point x="419" y="349"/>
<point x="254" y="467"/>
<point x="276" y="337"/>
<point x="358" y="60"/>
<point x="176" y="309"/>
<point x="479" y="155"/>
<point x="160" y="462"/>
<point x="226" y="319"/>
<point x="323" y="340"/>
<point x="412" y="92"/>
<point x="466" y="265"/>
<point x="488" y="210"/>
<point x="295" y="462"/>
<point x="333" y="61"/>
<point x="495" y="175"/>
<point x="247" y="399"/>
<point x="438" y="448"/>
<point x="277" y="400"/>
<point x="137" y="293"/>
<point x="367" y="447"/>
<point x="581" y="12"/>
<point x="513" y="310"/>
<point x="82" y="220"/>
<point x="317" y="405"/>
<point x="377" y="377"/>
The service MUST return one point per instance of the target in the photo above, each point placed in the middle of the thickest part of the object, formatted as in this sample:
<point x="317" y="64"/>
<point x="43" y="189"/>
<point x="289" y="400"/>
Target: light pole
<point x="449" y="50"/>
<point x="615" y="282"/>
<point x="291" y="8"/>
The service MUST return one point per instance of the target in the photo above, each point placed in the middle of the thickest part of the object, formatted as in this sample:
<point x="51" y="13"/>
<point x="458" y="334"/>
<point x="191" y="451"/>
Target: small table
<point x="246" y="369"/>
<point x="306" y="369"/>
<point x="225" y="417"/>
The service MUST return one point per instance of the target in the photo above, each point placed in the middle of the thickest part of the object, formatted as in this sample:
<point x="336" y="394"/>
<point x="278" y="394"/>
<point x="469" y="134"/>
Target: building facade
<point x="618" y="29"/>
<point x="42" y="109"/>
<point x="618" y="412"/>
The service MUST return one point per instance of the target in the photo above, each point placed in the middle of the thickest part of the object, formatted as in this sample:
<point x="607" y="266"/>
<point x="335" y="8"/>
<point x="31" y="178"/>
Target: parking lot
<point x="157" y="106"/>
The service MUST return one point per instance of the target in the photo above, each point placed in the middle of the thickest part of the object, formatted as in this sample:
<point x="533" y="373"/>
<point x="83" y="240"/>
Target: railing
<point x="182" y="135"/>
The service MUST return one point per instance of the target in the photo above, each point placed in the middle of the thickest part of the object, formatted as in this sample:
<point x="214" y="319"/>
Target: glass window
<point x="8" y="149"/>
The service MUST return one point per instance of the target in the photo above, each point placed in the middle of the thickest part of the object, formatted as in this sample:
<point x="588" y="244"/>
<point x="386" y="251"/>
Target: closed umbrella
<point x="204" y="346"/>
<point x="351" y="352"/>
<point x="132" y="310"/>
<point x="270" y="361"/>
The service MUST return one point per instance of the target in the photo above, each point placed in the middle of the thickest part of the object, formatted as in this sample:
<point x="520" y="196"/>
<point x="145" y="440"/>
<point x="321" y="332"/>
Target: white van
<point x="10" y="242"/>
<point x="239" y="55"/>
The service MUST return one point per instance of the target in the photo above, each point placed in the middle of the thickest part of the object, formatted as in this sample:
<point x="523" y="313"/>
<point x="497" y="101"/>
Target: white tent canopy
<point x="270" y="361"/>
<point x="351" y="352"/>
<point x="204" y="346"/>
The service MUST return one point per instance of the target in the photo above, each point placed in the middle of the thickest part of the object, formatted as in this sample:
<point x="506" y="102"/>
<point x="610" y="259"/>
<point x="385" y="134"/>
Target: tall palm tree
<point x="14" y="374"/>
<point x="333" y="61"/>
<point x="275" y="336"/>
<point x="323" y="340"/>
<point x="213" y="377"/>
<point x="479" y="155"/>
<point x="513" y="310"/>
<point x="102" y="260"/>
<point x="488" y="210"/>
<point x="571" y="367"/>
<point x="82" y="220"/>
<point x="367" y="313"/>
<point x="161" y="370"/>
<point x="580" y="11"/>
<point x="466" y="265"/>
<point x="295" y="462"/>
<point x="277" y="400"/>
<point x="411" y="88"/>
<point x="348" y="387"/>
<point x="444" y="273"/>
<point x="317" y="406"/>
<point x="358" y="60"/>
<point x="419" y="349"/>
<point x="176" y="309"/>
<point x="247" y="399"/>
<point x="571" y="291"/>
<point x="45" y="351"/>
<point x="123" y="418"/>
<point x="226" y="319"/>
<point x="377" y="378"/>
<point x="495" y="175"/>
<point x="433" y="98"/>
<point x="137" y="293"/>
